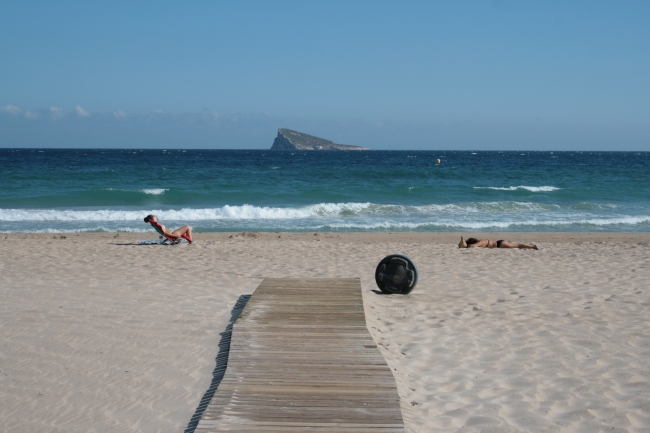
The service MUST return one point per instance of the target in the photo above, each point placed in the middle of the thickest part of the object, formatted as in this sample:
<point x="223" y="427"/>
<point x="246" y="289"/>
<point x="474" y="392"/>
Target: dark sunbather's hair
<point x="148" y="218"/>
<point x="471" y="241"/>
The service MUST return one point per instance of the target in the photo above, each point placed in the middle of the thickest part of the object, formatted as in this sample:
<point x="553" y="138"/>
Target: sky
<point x="389" y="75"/>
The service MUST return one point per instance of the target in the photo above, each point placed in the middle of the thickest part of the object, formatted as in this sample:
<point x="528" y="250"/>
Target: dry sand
<point x="102" y="335"/>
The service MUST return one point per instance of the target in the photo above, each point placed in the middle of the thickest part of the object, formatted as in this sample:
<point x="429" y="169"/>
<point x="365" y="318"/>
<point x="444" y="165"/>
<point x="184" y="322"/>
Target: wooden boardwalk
<point x="301" y="360"/>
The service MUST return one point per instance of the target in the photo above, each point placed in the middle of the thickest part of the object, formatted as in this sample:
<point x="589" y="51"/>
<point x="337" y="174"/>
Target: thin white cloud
<point x="32" y="115"/>
<point x="56" y="113"/>
<point x="11" y="109"/>
<point x="119" y="114"/>
<point x="81" y="112"/>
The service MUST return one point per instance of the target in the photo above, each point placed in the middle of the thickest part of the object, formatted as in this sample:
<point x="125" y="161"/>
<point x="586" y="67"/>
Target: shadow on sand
<point x="221" y="364"/>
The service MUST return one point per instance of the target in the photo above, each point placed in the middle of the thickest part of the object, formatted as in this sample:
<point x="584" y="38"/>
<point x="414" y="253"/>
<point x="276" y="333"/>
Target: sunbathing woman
<point x="486" y="243"/>
<point x="183" y="232"/>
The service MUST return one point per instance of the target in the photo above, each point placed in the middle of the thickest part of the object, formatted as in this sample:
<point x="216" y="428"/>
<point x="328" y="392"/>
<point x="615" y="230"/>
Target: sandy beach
<point x="100" y="334"/>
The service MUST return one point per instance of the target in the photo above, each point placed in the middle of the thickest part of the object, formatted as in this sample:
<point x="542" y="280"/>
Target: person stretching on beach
<point x="183" y="232"/>
<point x="487" y="243"/>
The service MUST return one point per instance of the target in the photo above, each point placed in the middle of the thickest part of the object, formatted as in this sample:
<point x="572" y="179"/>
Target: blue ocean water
<point x="72" y="190"/>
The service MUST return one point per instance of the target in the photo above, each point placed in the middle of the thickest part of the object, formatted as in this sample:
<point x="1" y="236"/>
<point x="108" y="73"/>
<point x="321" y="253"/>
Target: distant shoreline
<point x="265" y="149"/>
<point x="344" y="237"/>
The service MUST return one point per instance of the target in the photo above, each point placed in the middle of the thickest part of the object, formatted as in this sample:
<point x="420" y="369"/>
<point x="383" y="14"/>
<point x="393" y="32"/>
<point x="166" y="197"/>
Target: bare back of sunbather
<point x="487" y="243"/>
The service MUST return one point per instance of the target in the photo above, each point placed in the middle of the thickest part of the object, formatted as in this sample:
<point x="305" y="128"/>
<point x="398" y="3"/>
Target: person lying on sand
<point x="183" y="232"/>
<point x="487" y="243"/>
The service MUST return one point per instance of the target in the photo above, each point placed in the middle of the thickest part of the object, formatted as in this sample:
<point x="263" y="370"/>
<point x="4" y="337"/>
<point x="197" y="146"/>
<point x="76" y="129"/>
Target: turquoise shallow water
<point x="52" y="190"/>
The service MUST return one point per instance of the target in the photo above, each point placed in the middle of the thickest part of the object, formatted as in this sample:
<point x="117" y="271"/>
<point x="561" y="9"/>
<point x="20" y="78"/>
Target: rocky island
<point x="288" y="139"/>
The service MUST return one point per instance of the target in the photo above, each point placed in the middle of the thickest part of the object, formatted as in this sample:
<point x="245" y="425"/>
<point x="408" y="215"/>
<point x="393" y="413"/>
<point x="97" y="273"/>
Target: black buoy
<point x="396" y="274"/>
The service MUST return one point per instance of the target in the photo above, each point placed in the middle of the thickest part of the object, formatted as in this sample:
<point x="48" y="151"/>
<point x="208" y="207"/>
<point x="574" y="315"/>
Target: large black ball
<point x="396" y="274"/>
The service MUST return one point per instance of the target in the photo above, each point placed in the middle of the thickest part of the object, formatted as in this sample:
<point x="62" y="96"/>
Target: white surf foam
<point x="151" y="191"/>
<point x="498" y="215"/>
<point x="351" y="224"/>
<point x="155" y="191"/>
<point x="250" y="212"/>
<point x="527" y="188"/>
<point x="475" y="225"/>
<point x="226" y="212"/>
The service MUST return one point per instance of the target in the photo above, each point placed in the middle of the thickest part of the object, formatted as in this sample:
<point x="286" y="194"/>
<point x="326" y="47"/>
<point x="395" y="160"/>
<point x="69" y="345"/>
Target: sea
<point x="101" y="190"/>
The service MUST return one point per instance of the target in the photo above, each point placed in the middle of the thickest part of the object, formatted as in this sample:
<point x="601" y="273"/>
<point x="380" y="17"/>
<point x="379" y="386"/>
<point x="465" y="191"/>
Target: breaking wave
<point x="584" y="224"/>
<point x="515" y="188"/>
<point x="475" y="216"/>
<point x="154" y="191"/>
<point x="150" y="191"/>
<point x="250" y="212"/>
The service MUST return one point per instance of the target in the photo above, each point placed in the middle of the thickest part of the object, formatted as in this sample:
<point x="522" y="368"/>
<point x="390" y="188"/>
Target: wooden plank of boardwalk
<point x="301" y="359"/>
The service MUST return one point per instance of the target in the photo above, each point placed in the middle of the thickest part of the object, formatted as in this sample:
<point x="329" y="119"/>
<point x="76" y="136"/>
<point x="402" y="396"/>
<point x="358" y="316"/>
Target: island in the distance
<point x="288" y="139"/>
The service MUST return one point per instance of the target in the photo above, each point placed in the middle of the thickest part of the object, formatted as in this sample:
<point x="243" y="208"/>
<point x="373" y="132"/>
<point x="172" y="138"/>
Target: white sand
<point x="100" y="335"/>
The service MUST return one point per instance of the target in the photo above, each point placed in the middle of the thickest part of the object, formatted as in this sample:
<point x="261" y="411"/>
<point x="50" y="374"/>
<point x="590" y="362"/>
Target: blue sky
<point x="382" y="74"/>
